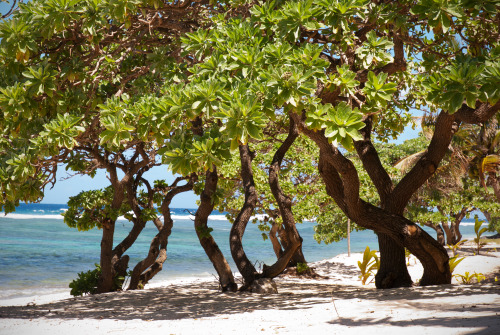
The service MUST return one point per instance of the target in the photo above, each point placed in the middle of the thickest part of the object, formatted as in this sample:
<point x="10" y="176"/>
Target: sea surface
<point x="40" y="254"/>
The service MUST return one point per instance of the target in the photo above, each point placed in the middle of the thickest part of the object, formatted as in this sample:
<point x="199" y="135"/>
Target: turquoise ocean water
<point x="39" y="253"/>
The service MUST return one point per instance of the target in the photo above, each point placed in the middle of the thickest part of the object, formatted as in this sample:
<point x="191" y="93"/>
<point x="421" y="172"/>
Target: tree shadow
<point x="180" y="301"/>
<point x="395" y="307"/>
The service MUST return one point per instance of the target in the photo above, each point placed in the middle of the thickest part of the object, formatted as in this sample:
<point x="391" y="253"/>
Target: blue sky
<point x="65" y="188"/>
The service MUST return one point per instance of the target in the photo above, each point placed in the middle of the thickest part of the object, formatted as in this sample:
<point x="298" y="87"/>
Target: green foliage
<point x="373" y="51"/>
<point x="455" y="247"/>
<point x="90" y="209"/>
<point x="186" y="154"/>
<point x="454" y="261"/>
<point x="91" y="83"/>
<point x="86" y="283"/>
<point x="466" y="79"/>
<point x="378" y="91"/>
<point x="341" y="123"/>
<point x="345" y="80"/>
<point x="438" y="13"/>
<point x="243" y="120"/>
<point x="479" y="231"/>
<point x="302" y="268"/>
<point x="468" y="278"/>
<point x="369" y="265"/>
<point x="204" y="232"/>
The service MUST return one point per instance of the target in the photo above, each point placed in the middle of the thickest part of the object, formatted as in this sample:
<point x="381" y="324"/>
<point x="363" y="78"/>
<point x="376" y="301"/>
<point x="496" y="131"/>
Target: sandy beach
<point x="337" y="303"/>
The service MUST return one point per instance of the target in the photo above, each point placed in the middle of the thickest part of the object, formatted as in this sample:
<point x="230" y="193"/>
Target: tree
<point x="348" y="71"/>
<point x="296" y="177"/>
<point x="79" y="82"/>
<point x="199" y="81"/>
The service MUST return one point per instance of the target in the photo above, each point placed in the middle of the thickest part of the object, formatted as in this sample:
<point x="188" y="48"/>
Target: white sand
<point x="336" y="305"/>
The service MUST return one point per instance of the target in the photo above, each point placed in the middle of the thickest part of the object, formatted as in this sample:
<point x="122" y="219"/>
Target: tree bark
<point x="279" y="245"/>
<point x="342" y="184"/>
<point x="453" y="235"/>
<point x="439" y="232"/>
<point x="393" y="271"/>
<point x="285" y="207"/>
<point x="157" y="255"/>
<point x="226" y="278"/>
<point x="105" y="283"/>
<point x="494" y="182"/>
<point x="275" y="230"/>
<point x="244" y="265"/>
<point x="108" y="259"/>
<point x="432" y="255"/>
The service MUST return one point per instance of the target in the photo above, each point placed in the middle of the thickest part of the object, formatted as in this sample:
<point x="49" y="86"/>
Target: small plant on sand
<point x="369" y="265"/>
<point x="468" y="278"/>
<point x="479" y="231"/>
<point x="302" y="268"/>
<point x="454" y="261"/>
<point x="455" y="247"/>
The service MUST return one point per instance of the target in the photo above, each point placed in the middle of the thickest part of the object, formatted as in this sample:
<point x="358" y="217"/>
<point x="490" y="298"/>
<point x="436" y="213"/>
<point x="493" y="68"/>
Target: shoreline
<point x="336" y="302"/>
<point x="489" y="260"/>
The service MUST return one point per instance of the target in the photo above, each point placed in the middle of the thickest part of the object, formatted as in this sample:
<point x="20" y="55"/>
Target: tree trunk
<point x="105" y="283"/>
<point x="281" y="244"/>
<point x="439" y="231"/>
<point x="431" y="254"/>
<point x="226" y="278"/>
<point x="343" y="185"/>
<point x="244" y="265"/>
<point x="298" y="256"/>
<point x="495" y="183"/>
<point x="153" y="263"/>
<point x="453" y="235"/>
<point x="275" y="229"/>
<point x="293" y="239"/>
<point x="455" y="227"/>
<point x="393" y="271"/>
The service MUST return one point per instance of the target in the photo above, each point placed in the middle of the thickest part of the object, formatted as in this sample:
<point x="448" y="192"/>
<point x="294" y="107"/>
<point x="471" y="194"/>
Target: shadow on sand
<point x="175" y="302"/>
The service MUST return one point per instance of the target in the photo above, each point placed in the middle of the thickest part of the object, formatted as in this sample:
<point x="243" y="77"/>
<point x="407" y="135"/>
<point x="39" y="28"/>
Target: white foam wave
<point x="18" y="216"/>
<point x="31" y="216"/>
<point x="485" y="225"/>
<point x="191" y="217"/>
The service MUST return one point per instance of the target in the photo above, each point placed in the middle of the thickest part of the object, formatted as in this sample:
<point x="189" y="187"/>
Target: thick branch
<point x="284" y="205"/>
<point x="426" y="165"/>
<point x="244" y="265"/>
<point x="372" y="164"/>
<point x="340" y="168"/>
<point x="480" y="114"/>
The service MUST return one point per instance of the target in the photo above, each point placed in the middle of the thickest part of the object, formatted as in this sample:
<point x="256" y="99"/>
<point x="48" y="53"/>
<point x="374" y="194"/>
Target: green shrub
<point x="86" y="283"/>
<point x="302" y="268"/>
